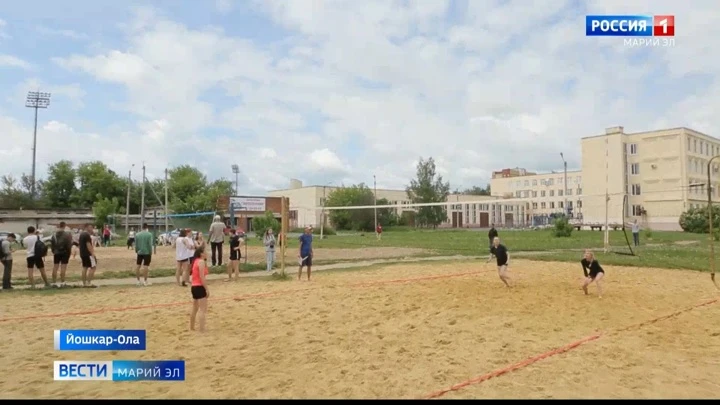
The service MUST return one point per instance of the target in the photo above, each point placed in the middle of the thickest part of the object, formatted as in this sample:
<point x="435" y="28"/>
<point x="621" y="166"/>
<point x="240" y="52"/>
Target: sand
<point x="340" y="336"/>
<point x="121" y="259"/>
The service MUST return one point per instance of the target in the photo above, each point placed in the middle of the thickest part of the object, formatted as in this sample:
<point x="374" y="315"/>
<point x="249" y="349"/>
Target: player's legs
<point x="598" y="282"/>
<point x="503" y="273"/>
<point x="138" y="264"/>
<point x="146" y="269"/>
<point x="40" y="264"/>
<point x="56" y="267"/>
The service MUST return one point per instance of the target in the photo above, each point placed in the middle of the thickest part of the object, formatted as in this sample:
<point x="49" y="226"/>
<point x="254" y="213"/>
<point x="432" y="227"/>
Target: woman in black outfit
<point x="593" y="272"/>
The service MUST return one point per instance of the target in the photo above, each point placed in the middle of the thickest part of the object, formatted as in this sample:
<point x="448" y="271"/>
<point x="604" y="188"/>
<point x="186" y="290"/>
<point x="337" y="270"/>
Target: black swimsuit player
<point x="594" y="268"/>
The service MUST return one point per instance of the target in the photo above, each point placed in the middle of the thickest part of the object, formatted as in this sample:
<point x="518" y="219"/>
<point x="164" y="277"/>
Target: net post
<point x="283" y="233"/>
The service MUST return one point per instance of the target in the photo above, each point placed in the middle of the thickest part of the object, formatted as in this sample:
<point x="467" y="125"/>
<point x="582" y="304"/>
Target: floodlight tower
<point x="36" y="100"/>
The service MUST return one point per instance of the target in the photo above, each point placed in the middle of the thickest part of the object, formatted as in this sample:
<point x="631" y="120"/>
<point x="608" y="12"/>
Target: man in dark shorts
<point x="503" y="258"/>
<point x="87" y="255"/>
<point x="6" y="259"/>
<point x="34" y="257"/>
<point x="492" y="234"/>
<point x="143" y="248"/>
<point x="306" y="252"/>
<point x="62" y="244"/>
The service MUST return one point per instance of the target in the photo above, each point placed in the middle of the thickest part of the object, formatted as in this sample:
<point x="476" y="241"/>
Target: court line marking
<point x="560" y="350"/>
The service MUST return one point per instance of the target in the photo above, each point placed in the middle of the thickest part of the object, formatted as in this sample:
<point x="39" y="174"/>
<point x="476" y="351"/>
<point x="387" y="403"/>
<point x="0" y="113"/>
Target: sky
<point x="336" y="92"/>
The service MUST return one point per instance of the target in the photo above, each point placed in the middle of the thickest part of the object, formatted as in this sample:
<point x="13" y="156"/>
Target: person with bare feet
<point x="305" y="255"/>
<point x="503" y="259"/>
<point x="87" y="255"/>
<point x="593" y="272"/>
<point x="199" y="289"/>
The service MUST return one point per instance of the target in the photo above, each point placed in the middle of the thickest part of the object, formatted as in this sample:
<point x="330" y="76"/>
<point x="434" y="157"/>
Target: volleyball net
<point x="354" y="226"/>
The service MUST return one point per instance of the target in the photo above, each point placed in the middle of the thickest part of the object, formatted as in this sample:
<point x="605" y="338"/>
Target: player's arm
<point x="585" y="270"/>
<point x="91" y="248"/>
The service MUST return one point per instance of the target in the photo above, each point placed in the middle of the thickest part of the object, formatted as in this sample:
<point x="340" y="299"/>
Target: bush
<point x="260" y="224"/>
<point x="562" y="228"/>
<point x="648" y="233"/>
<point x="695" y="220"/>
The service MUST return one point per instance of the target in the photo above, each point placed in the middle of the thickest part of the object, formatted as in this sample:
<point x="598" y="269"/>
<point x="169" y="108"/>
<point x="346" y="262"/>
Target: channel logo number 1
<point x="663" y="25"/>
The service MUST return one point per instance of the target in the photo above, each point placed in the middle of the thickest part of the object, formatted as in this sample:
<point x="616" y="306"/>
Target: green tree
<point x="260" y="224"/>
<point x="428" y="187"/>
<point x="97" y="181"/>
<point x="15" y="194"/>
<point x="477" y="190"/>
<point x="357" y="220"/>
<point x="186" y="186"/>
<point x="59" y="187"/>
<point x="386" y="216"/>
<point x="104" y="208"/>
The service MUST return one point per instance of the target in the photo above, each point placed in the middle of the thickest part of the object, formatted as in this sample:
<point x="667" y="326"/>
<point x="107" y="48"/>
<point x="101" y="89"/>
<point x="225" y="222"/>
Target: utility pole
<point x="166" y="202"/>
<point x="607" y="201"/>
<point x="375" y="200"/>
<point x="322" y="213"/>
<point x="36" y="100"/>
<point x="127" y="199"/>
<point x="565" y="206"/>
<point x="236" y="171"/>
<point x="142" y="198"/>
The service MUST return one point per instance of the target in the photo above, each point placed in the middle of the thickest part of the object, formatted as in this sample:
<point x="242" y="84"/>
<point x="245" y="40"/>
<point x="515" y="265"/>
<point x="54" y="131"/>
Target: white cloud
<point x="14" y="62"/>
<point x="71" y="94"/>
<point x="395" y="83"/>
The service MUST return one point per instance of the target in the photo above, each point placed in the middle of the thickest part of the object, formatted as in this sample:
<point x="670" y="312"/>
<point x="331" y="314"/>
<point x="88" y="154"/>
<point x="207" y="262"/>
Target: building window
<point x="635" y="189"/>
<point x="527" y="183"/>
<point x="552" y="205"/>
<point x="542" y="193"/>
<point x="552" y="193"/>
<point x="560" y="204"/>
<point x="694" y="145"/>
<point x="560" y="193"/>
<point x="534" y="205"/>
<point x="570" y="204"/>
<point x="534" y="183"/>
<point x="560" y="180"/>
<point x="517" y="194"/>
<point x="636" y="209"/>
<point x="635" y="168"/>
<point x="579" y="204"/>
<point x="542" y="205"/>
<point x="688" y="142"/>
<point x="550" y="182"/>
<point x="579" y="191"/>
<point x="569" y="191"/>
<point x="534" y="194"/>
<point x="633" y="149"/>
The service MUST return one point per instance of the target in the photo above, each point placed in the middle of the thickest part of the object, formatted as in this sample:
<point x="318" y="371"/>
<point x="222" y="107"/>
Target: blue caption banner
<point x="119" y="370"/>
<point x="618" y="26"/>
<point x="98" y="339"/>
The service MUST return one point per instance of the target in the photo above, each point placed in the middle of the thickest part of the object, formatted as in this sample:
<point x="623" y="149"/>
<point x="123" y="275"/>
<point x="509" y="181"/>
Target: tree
<point x="97" y="181"/>
<point x="102" y="209"/>
<point x="59" y="188"/>
<point x="260" y="224"/>
<point x="357" y="220"/>
<point x="428" y="187"/>
<point x="15" y="194"/>
<point x="386" y="216"/>
<point x="477" y="190"/>
<point x="186" y="185"/>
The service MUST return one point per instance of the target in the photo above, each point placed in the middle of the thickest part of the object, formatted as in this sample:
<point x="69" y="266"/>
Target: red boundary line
<point x="559" y="350"/>
<point x="234" y="298"/>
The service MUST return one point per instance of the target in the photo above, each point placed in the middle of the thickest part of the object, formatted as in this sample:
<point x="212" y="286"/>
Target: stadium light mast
<point x="236" y="171"/>
<point x="127" y="199"/>
<point x="36" y="100"/>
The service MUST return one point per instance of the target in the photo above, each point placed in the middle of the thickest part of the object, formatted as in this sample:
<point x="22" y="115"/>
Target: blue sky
<point x="341" y="90"/>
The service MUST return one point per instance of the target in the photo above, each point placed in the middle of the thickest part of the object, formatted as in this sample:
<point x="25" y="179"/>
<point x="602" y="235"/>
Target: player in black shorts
<point x="503" y="258"/>
<point x="235" y="255"/>
<point x="592" y="271"/>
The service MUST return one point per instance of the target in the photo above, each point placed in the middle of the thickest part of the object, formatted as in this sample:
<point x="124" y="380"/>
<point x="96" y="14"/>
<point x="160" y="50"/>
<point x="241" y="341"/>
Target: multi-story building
<point x="463" y="211"/>
<point x="544" y="194"/>
<point x="649" y="176"/>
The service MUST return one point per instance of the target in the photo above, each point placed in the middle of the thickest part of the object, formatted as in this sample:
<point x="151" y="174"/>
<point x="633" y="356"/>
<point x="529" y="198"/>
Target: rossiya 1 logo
<point x="636" y="30"/>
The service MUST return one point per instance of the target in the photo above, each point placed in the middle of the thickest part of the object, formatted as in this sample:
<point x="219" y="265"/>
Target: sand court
<point x="369" y="334"/>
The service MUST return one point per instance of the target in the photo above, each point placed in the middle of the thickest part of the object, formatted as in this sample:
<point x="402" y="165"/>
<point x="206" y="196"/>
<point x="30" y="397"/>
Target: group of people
<point x="64" y="244"/>
<point x="592" y="270"/>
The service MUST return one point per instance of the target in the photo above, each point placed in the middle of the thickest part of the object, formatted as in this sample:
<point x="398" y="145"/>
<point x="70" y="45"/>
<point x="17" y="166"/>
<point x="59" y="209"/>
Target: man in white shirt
<point x="34" y="260"/>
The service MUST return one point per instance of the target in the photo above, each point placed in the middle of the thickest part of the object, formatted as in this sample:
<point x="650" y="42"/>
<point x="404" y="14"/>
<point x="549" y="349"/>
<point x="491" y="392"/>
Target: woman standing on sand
<point x="199" y="289"/>
<point x="593" y="272"/>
